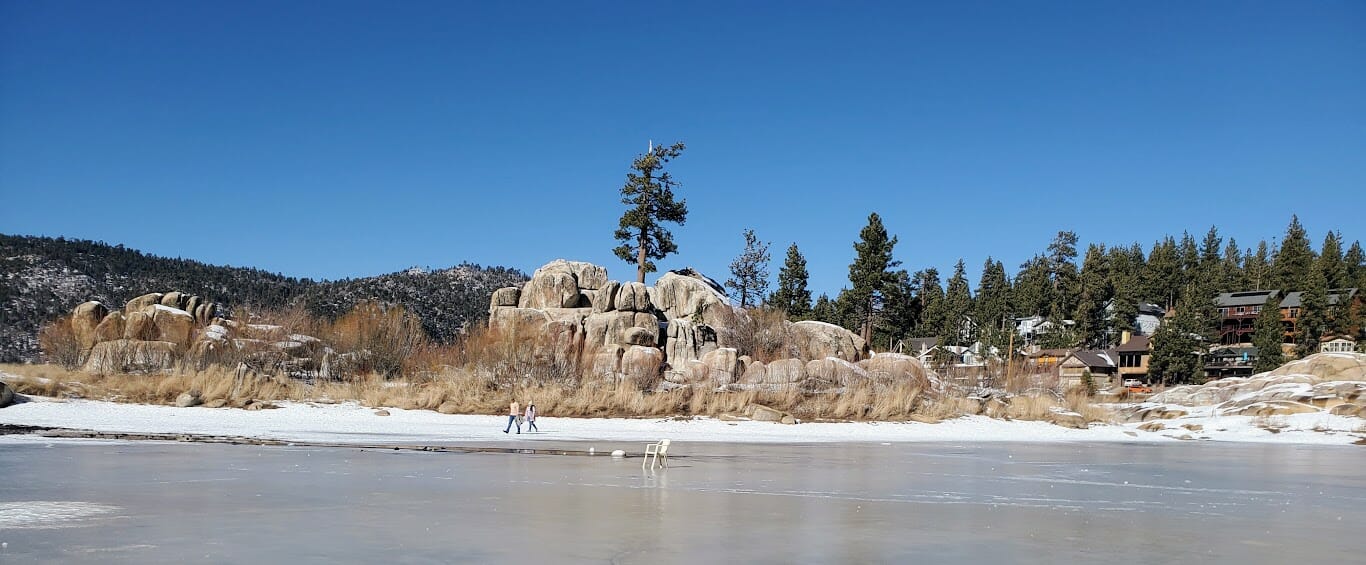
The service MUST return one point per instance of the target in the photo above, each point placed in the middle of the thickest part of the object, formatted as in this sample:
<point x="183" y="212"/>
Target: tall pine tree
<point x="1313" y="320"/>
<point x="1033" y="290"/>
<point x="1062" y="255"/>
<point x="1355" y="263"/>
<point x="869" y="273"/>
<point x="749" y="271"/>
<point x="1091" y="317"/>
<point x="1294" y="260"/>
<point x="1331" y="262"/>
<point x="650" y="196"/>
<point x="957" y="328"/>
<point x="1267" y="335"/>
<point x="792" y="295"/>
<point x="991" y="309"/>
<point x="1257" y="268"/>
<point x="930" y="294"/>
<point x="1176" y="349"/>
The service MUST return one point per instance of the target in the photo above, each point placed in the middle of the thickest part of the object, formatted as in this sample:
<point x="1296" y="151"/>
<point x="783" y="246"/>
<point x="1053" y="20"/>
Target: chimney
<point x="1125" y="336"/>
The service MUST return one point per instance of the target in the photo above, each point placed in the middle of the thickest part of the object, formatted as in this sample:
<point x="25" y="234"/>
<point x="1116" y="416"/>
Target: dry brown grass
<point x="461" y="391"/>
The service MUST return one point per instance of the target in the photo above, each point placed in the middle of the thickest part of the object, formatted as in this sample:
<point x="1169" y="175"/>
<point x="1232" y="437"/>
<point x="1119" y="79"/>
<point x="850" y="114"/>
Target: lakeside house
<point x="1238" y="312"/>
<point x="1134" y="352"/>
<point x="1337" y="343"/>
<point x="1099" y="363"/>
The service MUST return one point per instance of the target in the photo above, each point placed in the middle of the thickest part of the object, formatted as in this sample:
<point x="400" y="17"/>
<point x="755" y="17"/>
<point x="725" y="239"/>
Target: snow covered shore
<point x="352" y="423"/>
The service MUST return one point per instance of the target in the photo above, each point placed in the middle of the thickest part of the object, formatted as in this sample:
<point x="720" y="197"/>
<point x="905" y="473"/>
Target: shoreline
<point x="348" y="424"/>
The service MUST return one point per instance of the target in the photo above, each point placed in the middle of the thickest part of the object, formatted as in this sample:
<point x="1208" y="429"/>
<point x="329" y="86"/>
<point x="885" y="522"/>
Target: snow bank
<point x="350" y="423"/>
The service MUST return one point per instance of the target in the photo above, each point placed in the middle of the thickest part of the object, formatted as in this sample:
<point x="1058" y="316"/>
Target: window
<point x="1256" y="309"/>
<point x="1294" y="312"/>
<point x="1240" y="309"/>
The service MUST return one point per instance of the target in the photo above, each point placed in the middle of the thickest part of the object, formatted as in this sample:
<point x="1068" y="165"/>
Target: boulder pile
<point x="679" y="332"/>
<point x="155" y="331"/>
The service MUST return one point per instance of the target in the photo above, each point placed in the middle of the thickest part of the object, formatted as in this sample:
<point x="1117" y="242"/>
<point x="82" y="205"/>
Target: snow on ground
<point x="351" y="423"/>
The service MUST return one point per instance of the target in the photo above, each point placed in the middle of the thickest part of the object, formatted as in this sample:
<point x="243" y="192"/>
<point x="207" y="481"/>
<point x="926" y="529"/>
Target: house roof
<point x="1095" y="357"/>
<point x="1151" y="309"/>
<point x="1246" y="298"/>
<point x="1335" y="337"/>
<point x="1050" y="352"/>
<point x="1292" y="300"/>
<point x="918" y="344"/>
<point x="1138" y="343"/>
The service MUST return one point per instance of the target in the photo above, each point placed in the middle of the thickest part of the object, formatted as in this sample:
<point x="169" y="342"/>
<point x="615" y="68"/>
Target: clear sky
<point x="341" y="139"/>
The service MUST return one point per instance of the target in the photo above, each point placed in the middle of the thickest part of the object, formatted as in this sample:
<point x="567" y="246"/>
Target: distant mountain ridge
<point x="42" y="278"/>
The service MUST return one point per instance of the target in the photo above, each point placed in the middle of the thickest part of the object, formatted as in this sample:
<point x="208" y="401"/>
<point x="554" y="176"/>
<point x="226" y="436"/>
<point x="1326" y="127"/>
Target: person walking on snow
<point x="531" y="417"/>
<point x="514" y="410"/>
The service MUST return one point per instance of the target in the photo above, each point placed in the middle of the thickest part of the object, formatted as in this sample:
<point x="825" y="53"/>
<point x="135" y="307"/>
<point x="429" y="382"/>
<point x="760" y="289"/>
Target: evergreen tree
<point x="930" y="294"/>
<point x="1188" y="257"/>
<point x="1125" y="270"/>
<point x="1233" y="279"/>
<point x="1060" y="335"/>
<point x="749" y="271"/>
<point x="1209" y="250"/>
<point x="902" y="310"/>
<point x="1294" y="260"/>
<point x="1268" y="333"/>
<point x="649" y="194"/>
<point x="1176" y="348"/>
<point x="1162" y="280"/>
<point x="1257" y="268"/>
<point x="958" y="321"/>
<point x="1313" y="320"/>
<point x="1091" y="317"/>
<point x="824" y="310"/>
<point x="1033" y="290"/>
<point x="1331" y="262"/>
<point x="869" y="274"/>
<point x="792" y="295"/>
<point x="991" y="309"/>
<point x="1062" y="254"/>
<point x="1355" y="264"/>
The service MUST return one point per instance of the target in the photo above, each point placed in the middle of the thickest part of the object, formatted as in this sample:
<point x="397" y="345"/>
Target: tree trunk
<point x="640" y="258"/>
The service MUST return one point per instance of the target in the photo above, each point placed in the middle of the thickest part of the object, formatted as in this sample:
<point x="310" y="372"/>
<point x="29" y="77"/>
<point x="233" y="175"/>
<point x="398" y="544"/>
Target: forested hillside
<point x="42" y="278"/>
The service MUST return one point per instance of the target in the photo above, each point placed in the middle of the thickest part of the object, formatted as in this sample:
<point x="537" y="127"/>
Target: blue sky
<point x="342" y="139"/>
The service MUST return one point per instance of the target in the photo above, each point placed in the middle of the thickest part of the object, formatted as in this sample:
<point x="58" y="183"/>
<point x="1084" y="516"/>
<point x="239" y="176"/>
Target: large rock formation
<point x="1318" y="383"/>
<point x="682" y="330"/>
<point x="152" y="332"/>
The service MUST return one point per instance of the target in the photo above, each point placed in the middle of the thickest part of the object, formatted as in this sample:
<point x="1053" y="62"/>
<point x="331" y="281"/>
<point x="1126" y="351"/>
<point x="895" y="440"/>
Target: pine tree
<point x="1033" y="290"/>
<point x="1267" y="335"/>
<point x="902" y="310"/>
<point x="1313" y="320"/>
<point x="869" y="273"/>
<point x="1176" y="349"/>
<point x="749" y="271"/>
<point x="1355" y="264"/>
<point x="650" y="196"/>
<point x="792" y="295"/>
<point x="1294" y="260"/>
<point x="1062" y="254"/>
<point x="824" y="310"/>
<point x="1233" y="278"/>
<point x="1257" y="268"/>
<point x="1091" y="317"/>
<point x="1162" y="280"/>
<point x="930" y="294"/>
<point x="1188" y="257"/>
<point x="957" y="329"/>
<point x="1331" y="262"/>
<point x="1209" y="250"/>
<point x="991" y="309"/>
<point x="1124" y="273"/>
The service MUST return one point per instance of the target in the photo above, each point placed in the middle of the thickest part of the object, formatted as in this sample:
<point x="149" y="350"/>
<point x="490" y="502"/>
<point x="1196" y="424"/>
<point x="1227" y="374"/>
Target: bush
<point x="58" y="342"/>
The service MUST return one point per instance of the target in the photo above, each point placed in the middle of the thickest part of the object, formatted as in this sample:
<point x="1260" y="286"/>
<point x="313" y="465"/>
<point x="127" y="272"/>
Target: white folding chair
<point x="659" y="451"/>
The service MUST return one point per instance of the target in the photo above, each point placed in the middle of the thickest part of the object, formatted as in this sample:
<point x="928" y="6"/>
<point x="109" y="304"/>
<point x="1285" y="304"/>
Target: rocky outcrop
<point x="641" y="365"/>
<point x="6" y="395"/>
<point x="895" y="368"/>
<point x="834" y="372"/>
<point x="613" y="327"/>
<point x="818" y="340"/>
<point x="681" y="296"/>
<point x="84" y="321"/>
<point x="722" y="365"/>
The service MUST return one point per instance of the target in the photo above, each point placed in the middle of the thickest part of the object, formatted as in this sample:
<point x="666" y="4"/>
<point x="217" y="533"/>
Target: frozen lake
<point x="126" y="502"/>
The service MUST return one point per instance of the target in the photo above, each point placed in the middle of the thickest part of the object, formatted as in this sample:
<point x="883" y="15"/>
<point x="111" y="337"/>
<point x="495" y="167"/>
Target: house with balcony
<point x="1231" y="361"/>
<point x="1238" y="314"/>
